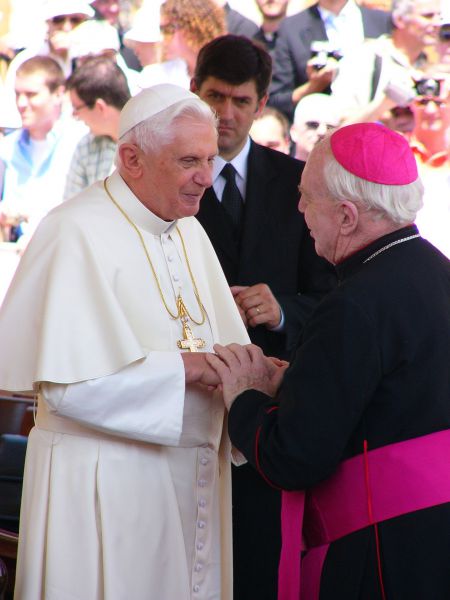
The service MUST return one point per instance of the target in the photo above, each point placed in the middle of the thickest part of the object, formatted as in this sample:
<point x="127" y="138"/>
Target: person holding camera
<point x="430" y="142"/>
<point x="381" y="82"/>
<point x="341" y="26"/>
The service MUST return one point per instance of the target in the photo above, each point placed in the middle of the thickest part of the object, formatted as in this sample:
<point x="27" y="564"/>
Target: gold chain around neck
<point x="181" y="307"/>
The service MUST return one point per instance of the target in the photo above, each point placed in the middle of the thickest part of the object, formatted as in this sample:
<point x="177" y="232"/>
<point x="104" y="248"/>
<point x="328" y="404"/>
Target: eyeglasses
<point x="73" y="20"/>
<point x="316" y="124"/>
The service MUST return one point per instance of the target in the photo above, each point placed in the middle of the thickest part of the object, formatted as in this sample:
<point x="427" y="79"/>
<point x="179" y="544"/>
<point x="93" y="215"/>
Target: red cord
<point x="371" y="519"/>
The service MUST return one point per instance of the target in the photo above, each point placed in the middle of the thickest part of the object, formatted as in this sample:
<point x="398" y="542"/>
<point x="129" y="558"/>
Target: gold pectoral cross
<point x="189" y="342"/>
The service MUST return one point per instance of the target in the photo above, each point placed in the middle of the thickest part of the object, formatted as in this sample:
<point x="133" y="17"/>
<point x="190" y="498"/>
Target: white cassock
<point x="127" y="479"/>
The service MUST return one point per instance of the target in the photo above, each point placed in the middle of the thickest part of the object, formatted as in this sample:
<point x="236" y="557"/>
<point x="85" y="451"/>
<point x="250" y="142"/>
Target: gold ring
<point x="257" y="310"/>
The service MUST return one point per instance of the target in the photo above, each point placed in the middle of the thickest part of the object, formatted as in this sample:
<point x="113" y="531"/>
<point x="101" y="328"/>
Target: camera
<point x="321" y="51"/>
<point x="428" y="87"/>
<point x="444" y="32"/>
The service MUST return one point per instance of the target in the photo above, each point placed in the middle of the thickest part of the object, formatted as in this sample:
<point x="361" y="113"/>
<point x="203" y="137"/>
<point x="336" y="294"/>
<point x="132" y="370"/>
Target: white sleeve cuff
<point x="143" y="401"/>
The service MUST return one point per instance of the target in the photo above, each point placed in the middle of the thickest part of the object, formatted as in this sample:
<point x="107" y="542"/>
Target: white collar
<point x="138" y="213"/>
<point x="239" y="162"/>
<point x="349" y="8"/>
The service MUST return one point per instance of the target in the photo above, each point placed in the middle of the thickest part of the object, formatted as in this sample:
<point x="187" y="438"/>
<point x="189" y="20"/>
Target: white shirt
<point x="239" y="162"/>
<point x="345" y="30"/>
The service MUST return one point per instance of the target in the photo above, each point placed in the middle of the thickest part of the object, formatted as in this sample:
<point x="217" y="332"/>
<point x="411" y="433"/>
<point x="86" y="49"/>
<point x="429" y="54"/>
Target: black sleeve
<point x="298" y="440"/>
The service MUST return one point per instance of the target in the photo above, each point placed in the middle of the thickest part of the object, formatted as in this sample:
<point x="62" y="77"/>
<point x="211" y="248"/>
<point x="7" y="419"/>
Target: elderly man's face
<point x="320" y="210"/>
<point x="177" y="175"/>
<point x="423" y="21"/>
<point x="308" y="133"/>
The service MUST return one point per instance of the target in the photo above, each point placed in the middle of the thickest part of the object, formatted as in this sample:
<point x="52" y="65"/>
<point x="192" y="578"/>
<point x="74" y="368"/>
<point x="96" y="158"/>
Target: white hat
<point x="92" y="37"/>
<point x="150" y="102"/>
<point x="56" y="8"/>
<point x="146" y="24"/>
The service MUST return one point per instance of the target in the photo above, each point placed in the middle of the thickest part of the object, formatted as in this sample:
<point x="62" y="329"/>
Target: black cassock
<point x="373" y="363"/>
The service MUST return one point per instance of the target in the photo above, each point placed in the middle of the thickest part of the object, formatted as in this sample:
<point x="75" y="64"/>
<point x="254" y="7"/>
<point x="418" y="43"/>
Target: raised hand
<point x="258" y="304"/>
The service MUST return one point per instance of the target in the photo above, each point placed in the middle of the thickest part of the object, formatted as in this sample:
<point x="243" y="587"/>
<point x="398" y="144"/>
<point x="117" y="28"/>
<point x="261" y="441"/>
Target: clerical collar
<point x="139" y="214"/>
<point x="369" y="253"/>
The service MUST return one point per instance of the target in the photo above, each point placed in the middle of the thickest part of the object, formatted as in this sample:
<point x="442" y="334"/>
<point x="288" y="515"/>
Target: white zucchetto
<point x="149" y="102"/>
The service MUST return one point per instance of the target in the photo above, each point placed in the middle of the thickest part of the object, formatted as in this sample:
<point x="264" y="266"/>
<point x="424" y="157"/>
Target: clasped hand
<point x="242" y="368"/>
<point x="234" y="369"/>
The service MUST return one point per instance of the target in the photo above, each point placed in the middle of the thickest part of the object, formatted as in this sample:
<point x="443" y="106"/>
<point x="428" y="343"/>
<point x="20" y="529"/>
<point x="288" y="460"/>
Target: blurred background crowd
<point x="67" y="67"/>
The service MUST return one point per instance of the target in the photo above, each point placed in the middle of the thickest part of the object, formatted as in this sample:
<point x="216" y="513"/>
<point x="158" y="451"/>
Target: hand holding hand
<point x="258" y="304"/>
<point x="245" y="367"/>
<point x="198" y="370"/>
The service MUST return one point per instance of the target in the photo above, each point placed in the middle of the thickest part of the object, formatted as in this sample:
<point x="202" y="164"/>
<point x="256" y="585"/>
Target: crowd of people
<point x="229" y="227"/>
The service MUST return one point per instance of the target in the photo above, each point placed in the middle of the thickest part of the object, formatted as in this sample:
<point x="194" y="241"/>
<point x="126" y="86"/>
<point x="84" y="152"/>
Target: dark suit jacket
<point x="275" y="246"/>
<point x="292" y="50"/>
<point x="237" y="24"/>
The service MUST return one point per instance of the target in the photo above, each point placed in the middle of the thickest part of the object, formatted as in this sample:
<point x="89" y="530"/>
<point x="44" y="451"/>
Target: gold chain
<point x="179" y="301"/>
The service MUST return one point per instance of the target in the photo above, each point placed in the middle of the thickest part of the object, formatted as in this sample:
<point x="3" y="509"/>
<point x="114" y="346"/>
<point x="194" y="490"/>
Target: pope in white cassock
<point x="116" y="301"/>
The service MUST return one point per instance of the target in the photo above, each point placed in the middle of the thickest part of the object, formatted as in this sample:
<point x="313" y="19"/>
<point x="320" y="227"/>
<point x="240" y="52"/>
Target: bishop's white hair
<point x="400" y="203"/>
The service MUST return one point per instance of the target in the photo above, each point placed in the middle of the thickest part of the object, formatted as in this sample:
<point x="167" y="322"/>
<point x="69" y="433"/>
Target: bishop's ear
<point x="349" y="217"/>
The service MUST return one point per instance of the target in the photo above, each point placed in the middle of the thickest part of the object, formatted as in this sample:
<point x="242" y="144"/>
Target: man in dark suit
<point x="342" y="24"/>
<point x="269" y="260"/>
<point x="237" y="23"/>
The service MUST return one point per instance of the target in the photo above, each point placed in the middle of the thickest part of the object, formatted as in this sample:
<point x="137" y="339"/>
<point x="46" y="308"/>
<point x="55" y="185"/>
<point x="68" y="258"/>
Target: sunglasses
<point x="401" y="111"/>
<point x="73" y="20"/>
<point x="316" y="124"/>
<point x="425" y="101"/>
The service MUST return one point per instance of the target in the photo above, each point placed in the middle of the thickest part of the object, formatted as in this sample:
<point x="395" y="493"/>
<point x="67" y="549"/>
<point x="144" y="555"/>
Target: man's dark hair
<point x="100" y="77"/>
<point x="235" y="59"/>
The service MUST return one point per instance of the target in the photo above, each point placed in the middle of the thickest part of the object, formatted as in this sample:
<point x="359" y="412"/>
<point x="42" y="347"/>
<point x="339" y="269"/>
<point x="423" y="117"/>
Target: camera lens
<point x="428" y="87"/>
<point x="444" y="32"/>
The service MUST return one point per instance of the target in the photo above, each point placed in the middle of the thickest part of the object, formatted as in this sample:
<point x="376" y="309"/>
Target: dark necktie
<point x="231" y="198"/>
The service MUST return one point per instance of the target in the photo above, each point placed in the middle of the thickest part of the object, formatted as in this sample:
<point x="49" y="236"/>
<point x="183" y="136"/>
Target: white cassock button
<point x="175" y="278"/>
<point x="196" y="588"/>
<point x="202" y="482"/>
<point x="200" y="545"/>
<point x="170" y="257"/>
<point x="202" y="502"/>
<point x="204" y="461"/>
<point x="198" y="567"/>
<point x="201" y="524"/>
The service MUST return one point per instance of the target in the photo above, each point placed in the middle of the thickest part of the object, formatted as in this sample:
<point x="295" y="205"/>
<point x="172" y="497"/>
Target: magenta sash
<point x="367" y="489"/>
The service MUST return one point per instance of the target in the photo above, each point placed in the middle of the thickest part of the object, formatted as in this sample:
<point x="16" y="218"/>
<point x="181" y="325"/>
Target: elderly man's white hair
<point x="158" y="125"/>
<point x="399" y="203"/>
<point x="402" y="8"/>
